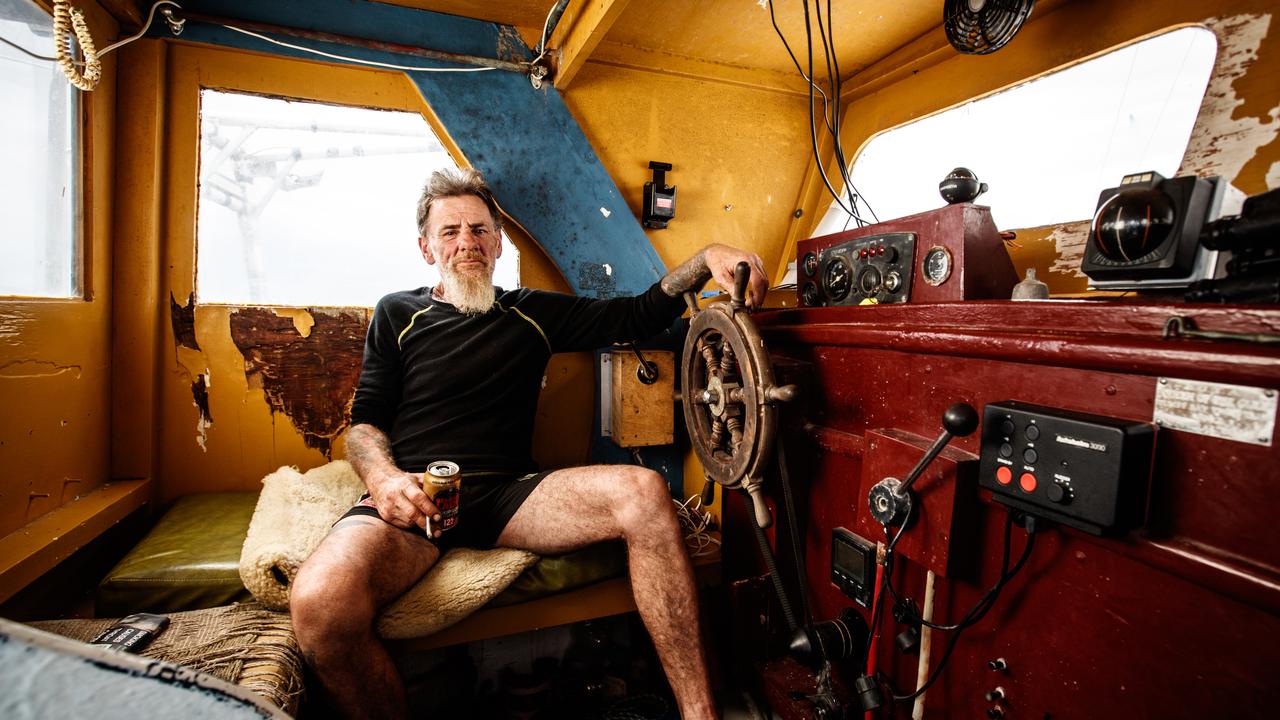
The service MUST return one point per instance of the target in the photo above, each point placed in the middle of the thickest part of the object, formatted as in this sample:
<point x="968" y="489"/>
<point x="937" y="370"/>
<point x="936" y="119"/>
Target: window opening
<point x="307" y="204"/>
<point x="40" y="144"/>
<point x="1047" y="147"/>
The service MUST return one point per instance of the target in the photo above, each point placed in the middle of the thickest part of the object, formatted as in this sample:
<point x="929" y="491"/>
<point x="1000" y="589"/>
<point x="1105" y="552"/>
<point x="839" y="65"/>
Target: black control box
<point x="1089" y="472"/>
<point x="875" y="269"/>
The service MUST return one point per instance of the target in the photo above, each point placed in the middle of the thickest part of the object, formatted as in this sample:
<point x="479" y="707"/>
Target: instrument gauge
<point x="810" y="264"/>
<point x="809" y="295"/>
<point x="936" y="266"/>
<point x="838" y="279"/>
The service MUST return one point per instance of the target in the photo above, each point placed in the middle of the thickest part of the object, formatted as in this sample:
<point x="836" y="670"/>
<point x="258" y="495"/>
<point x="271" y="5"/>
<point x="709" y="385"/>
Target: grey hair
<point x="450" y="182"/>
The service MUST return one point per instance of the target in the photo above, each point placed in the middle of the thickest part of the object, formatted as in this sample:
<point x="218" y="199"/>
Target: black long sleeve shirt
<point x="448" y="386"/>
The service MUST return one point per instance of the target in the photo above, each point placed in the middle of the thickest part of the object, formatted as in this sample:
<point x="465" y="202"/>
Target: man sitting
<point x="453" y="373"/>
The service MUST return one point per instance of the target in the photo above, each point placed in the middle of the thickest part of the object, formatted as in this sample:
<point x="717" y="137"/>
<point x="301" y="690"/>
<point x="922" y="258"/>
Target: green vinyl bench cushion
<point x="190" y="560"/>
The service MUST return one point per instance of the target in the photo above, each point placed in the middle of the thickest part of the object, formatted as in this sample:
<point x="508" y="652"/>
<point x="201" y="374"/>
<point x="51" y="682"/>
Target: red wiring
<point x="875" y="637"/>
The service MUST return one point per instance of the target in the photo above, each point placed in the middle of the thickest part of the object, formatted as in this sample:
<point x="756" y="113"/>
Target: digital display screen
<point x="849" y="561"/>
<point x="853" y="561"/>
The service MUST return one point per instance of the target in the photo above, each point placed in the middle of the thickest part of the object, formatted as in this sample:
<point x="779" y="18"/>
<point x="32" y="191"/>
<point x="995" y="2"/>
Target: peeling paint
<point x="596" y="281"/>
<point x="605" y="212"/>
<point x="1068" y="242"/>
<point x="302" y="320"/>
<point x="200" y="394"/>
<point x="510" y="45"/>
<point x="1221" y="144"/>
<point x="19" y="369"/>
<point x="183" y="318"/>
<point x="310" y="378"/>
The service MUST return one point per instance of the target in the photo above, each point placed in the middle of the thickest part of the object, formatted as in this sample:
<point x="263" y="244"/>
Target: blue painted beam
<point x="543" y="170"/>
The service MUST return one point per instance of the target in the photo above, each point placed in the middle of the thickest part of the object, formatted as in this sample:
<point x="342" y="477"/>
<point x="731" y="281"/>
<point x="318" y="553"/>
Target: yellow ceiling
<point x="733" y="33"/>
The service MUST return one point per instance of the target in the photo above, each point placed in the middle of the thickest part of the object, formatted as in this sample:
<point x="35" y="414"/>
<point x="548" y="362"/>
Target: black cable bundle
<point x="830" y="105"/>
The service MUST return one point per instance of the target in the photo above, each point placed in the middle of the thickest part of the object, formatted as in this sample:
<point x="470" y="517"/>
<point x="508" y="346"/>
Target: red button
<point x="1028" y="482"/>
<point x="1004" y="475"/>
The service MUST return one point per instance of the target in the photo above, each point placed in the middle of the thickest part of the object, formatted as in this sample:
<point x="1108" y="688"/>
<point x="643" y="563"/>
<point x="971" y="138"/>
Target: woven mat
<point x="242" y="644"/>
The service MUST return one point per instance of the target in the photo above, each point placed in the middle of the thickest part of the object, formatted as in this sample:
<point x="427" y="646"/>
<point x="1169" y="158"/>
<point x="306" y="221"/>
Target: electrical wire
<point x="830" y="107"/>
<point x="980" y="609"/>
<point x="694" y="524"/>
<point x="358" y="61"/>
<point x="546" y="27"/>
<point x="813" y="126"/>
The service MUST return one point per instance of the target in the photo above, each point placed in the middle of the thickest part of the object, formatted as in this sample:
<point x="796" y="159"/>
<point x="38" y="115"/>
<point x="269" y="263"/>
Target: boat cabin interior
<point x="998" y="442"/>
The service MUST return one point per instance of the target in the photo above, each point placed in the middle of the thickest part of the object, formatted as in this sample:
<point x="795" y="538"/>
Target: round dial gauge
<point x="809" y="295"/>
<point x="837" y="279"/>
<point x="936" y="265"/>
<point x="810" y="264"/>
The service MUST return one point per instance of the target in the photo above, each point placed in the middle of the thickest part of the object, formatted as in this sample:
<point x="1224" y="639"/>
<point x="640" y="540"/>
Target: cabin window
<point x="39" y="142"/>
<point x="1047" y="147"/>
<point x="307" y="204"/>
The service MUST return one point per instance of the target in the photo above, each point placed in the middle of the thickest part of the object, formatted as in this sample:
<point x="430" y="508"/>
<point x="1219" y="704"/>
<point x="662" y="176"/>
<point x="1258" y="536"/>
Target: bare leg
<point x="579" y="506"/>
<point x="363" y="564"/>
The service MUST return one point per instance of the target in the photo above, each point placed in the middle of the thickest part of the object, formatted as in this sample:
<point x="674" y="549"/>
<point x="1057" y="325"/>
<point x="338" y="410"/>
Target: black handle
<point x="958" y="421"/>
<point x="741" y="276"/>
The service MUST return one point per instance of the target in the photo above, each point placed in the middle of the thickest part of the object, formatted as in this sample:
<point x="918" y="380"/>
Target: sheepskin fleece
<point x="295" y="512"/>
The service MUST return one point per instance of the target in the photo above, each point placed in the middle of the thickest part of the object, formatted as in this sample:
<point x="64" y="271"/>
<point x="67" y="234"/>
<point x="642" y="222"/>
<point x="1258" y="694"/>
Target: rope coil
<point x="67" y="21"/>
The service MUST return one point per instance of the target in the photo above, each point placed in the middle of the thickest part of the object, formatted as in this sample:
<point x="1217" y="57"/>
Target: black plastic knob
<point x="960" y="419"/>
<point x="1058" y="492"/>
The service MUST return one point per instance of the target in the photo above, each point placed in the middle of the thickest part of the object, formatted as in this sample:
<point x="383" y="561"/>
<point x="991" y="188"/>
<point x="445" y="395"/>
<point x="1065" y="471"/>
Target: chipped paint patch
<point x="597" y="280"/>
<point x="19" y="369"/>
<point x="302" y="320"/>
<point x="1221" y="144"/>
<point x="1068" y="242"/>
<point x="183" y="319"/>
<point x="605" y="212"/>
<point x="510" y="45"/>
<point x="200" y="394"/>
<point x="608" y="269"/>
<point x="311" y="379"/>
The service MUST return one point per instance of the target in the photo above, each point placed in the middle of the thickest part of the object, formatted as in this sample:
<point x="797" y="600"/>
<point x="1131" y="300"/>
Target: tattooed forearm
<point x="689" y="275"/>
<point x="368" y="449"/>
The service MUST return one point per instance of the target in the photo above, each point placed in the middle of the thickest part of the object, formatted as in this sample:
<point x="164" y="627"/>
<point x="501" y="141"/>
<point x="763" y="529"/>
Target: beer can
<point x="443" y="484"/>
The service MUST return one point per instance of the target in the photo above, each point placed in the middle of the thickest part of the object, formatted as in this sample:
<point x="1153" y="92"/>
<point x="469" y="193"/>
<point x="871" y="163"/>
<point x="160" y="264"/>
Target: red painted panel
<point x="1180" y="619"/>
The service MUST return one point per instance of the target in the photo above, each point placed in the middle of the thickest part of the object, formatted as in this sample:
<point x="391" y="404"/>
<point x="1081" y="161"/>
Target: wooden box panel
<point x="642" y="415"/>
<point x="944" y="498"/>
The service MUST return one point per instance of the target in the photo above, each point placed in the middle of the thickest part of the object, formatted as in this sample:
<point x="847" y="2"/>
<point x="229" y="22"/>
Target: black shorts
<point x="486" y="505"/>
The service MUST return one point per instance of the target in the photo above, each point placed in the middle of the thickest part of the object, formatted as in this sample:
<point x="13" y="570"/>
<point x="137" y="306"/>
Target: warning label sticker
<point x="1227" y="412"/>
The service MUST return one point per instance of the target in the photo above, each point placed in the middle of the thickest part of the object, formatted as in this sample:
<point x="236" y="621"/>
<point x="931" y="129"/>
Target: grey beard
<point x="470" y="294"/>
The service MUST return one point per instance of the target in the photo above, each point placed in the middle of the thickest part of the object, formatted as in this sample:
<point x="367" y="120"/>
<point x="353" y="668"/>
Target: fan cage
<point x="987" y="29"/>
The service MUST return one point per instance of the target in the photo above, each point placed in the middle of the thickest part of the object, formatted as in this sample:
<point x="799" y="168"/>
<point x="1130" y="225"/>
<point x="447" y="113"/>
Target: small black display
<point x="852" y="565"/>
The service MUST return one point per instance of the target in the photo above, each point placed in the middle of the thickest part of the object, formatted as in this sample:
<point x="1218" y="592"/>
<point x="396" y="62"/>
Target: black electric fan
<point x="978" y="27"/>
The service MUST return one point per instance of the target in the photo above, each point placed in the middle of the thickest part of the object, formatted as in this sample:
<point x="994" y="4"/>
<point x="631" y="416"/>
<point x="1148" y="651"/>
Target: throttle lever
<point x="890" y="499"/>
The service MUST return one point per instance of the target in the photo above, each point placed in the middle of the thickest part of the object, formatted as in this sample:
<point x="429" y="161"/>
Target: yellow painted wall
<point x="55" y="369"/>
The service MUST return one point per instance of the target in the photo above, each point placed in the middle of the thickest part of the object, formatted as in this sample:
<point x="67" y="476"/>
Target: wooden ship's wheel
<point x="729" y="396"/>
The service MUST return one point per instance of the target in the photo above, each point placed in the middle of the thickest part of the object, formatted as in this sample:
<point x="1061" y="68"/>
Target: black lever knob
<point x="958" y="421"/>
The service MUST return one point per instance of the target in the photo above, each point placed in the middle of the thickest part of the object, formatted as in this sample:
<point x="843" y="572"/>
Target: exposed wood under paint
<point x="28" y="552"/>
<point x="311" y="378"/>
